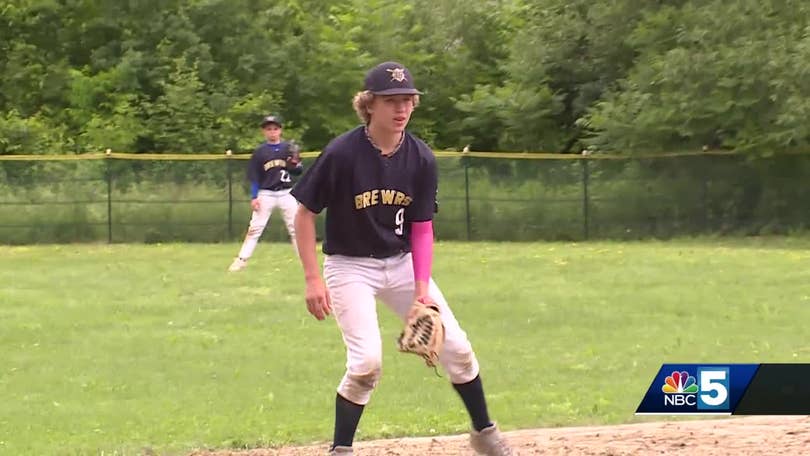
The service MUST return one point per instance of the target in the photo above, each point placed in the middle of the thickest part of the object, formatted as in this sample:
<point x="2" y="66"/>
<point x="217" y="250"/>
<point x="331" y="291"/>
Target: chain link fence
<point x="482" y="196"/>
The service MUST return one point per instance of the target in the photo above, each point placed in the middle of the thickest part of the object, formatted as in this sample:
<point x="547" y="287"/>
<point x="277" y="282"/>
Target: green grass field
<point x="124" y="349"/>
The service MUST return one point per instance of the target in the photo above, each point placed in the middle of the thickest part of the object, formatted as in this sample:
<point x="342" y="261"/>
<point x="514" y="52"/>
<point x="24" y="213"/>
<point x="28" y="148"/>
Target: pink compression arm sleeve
<point x="422" y="249"/>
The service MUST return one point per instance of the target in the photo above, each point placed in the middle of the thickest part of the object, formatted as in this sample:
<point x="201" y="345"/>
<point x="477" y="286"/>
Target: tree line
<point x="194" y="76"/>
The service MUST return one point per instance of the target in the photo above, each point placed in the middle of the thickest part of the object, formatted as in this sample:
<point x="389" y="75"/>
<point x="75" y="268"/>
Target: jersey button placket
<point x="387" y="167"/>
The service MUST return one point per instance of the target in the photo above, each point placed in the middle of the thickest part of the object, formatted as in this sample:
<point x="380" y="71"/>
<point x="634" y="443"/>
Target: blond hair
<point x="363" y="99"/>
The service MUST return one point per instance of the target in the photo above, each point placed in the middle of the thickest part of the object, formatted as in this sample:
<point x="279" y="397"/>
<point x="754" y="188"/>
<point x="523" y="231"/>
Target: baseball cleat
<point x="341" y="450"/>
<point x="237" y="265"/>
<point x="490" y="442"/>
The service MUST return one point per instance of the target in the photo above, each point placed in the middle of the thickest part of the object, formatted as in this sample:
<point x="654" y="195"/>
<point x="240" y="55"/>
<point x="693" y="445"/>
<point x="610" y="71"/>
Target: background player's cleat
<point x="490" y="442"/>
<point x="237" y="265"/>
<point x="341" y="450"/>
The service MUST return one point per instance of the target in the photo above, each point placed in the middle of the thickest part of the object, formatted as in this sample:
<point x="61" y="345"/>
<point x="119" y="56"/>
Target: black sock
<point x="472" y="393"/>
<point x="347" y="416"/>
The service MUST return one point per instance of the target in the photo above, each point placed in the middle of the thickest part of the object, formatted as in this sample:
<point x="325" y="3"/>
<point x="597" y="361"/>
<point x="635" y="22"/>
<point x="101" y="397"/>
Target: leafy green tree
<point x="710" y="75"/>
<point x="542" y="75"/>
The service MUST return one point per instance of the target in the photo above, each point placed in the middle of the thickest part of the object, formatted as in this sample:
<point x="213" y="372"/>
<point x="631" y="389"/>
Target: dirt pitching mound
<point x="734" y="436"/>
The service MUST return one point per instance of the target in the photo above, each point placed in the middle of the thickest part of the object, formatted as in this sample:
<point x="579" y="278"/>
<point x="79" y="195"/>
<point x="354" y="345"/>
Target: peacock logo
<point x="680" y="383"/>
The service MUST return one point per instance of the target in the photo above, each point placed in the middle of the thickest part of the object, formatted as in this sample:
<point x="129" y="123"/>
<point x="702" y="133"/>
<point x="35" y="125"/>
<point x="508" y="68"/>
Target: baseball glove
<point x="294" y="157"/>
<point x="423" y="334"/>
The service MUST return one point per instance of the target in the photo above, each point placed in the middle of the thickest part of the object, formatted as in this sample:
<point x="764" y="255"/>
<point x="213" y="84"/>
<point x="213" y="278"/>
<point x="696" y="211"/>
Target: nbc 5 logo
<point x="714" y="386"/>
<point x="708" y="391"/>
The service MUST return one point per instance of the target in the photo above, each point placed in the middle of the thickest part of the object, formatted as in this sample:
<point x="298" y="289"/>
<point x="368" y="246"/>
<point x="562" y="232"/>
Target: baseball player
<point x="270" y="172"/>
<point x="378" y="185"/>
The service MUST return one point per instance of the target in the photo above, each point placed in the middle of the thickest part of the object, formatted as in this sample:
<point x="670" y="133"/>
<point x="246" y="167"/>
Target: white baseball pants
<point x="354" y="283"/>
<point x="268" y="201"/>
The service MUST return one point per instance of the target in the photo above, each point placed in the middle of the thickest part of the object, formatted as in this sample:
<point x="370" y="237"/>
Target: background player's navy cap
<point x="390" y="78"/>
<point x="270" y="120"/>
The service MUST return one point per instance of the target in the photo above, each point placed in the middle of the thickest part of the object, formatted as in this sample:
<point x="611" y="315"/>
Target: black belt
<point x="376" y="256"/>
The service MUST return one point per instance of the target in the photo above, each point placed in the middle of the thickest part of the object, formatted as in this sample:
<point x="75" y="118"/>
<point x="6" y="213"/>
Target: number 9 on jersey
<point x="399" y="221"/>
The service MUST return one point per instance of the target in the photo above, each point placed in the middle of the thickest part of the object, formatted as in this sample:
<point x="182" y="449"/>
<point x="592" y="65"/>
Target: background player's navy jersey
<point x="370" y="199"/>
<point x="268" y="168"/>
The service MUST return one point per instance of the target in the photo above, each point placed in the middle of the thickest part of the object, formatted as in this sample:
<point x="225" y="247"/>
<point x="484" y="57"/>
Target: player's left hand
<point x="426" y="300"/>
<point x="423" y="300"/>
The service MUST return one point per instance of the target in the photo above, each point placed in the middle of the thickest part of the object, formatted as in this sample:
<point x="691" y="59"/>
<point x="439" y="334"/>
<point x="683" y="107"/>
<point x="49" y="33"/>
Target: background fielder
<point x="270" y="171"/>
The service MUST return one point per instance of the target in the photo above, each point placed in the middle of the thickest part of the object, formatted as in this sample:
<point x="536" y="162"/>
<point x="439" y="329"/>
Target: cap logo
<point x="397" y="74"/>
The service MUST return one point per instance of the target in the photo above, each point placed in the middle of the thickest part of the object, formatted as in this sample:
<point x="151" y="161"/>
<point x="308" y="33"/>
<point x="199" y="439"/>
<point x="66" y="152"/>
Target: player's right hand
<point x="319" y="304"/>
<point x="255" y="205"/>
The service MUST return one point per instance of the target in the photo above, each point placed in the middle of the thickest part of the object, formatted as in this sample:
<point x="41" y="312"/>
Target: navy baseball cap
<point x="270" y="120"/>
<point x="390" y="78"/>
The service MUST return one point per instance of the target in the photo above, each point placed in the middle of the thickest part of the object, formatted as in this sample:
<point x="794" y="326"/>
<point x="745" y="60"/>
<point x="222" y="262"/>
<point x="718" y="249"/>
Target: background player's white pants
<point x="269" y="201"/>
<point x="353" y="283"/>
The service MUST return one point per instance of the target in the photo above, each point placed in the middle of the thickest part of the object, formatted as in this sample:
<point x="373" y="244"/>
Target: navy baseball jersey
<point x="268" y="168"/>
<point x="370" y="199"/>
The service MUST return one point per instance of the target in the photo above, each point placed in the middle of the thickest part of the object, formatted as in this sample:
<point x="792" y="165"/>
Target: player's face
<point x="272" y="132"/>
<point x="392" y="112"/>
